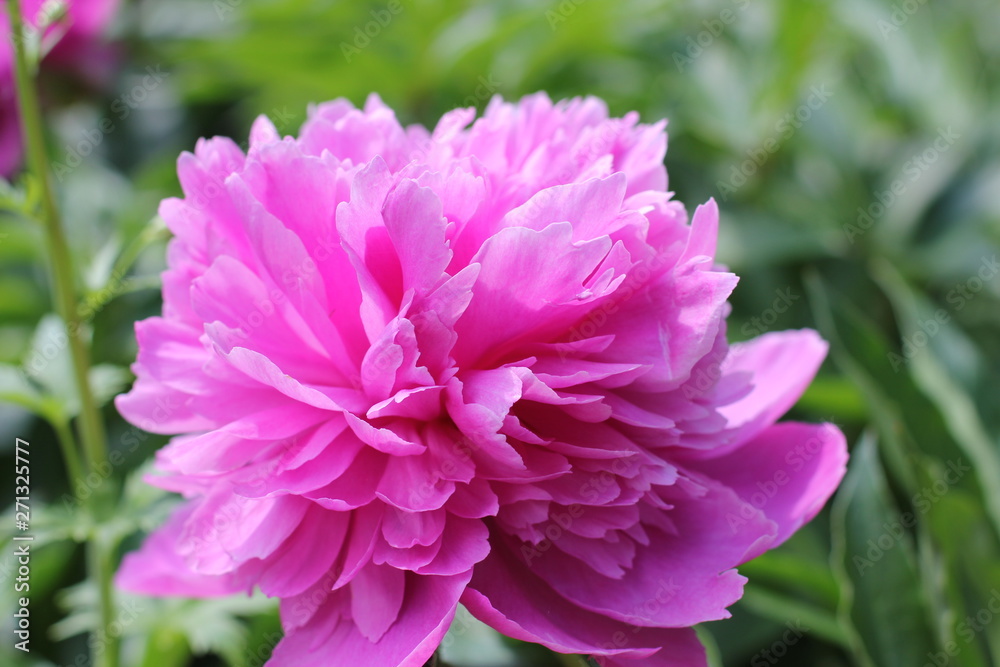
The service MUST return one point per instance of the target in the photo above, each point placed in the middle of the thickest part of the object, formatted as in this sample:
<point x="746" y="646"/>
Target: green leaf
<point x="49" y="365"/>
<point x="15" y="388"/>
<point x="884" y="602"/>
<point x="779" y="608"/>
<point x="166" y="647"/>
<point x="13" y="200"/>
<point x="917" y="440"/>
<point x="967" y="558"/>
<point x="835" y="394"/>
<point x="795" y="569"/>
<point x="98" y="272"/>
<point x="955" y="405"/>
<point x="211" y="626"/>
<point x="107" y="381"/>
<point x="859" y="349"/>
<point x="107" y="277"/>
<point x="469" y="641"/>
<point x="712" y="654"/>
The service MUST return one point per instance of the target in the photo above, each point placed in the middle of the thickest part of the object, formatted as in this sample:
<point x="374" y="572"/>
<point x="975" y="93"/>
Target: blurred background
<point x="853" y="147"/>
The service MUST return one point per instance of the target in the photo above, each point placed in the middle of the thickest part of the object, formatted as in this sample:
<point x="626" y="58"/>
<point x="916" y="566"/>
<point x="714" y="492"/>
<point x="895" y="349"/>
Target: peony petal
<point x="781" y="364"/>
<point x="376" y="598"/>
<point x="284" y="573"/>
<point x="158" y="569"/>
<point x="369" y="247"/>
<point x="531" y="282"/>
<point x="670" y="325"/>
<point x="513" y="600"/>
<point x="590" y="206"/>
<point x="704" y="233"/>
<point x="788" y="471"/>
<point x="694" y="565"/>
<point x="413" y="218"/>
<point x="331" y="639"/>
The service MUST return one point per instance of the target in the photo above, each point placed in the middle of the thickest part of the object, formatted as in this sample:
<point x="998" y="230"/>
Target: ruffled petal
<point x="332" y="638"/>
<point x="788" y="472"/>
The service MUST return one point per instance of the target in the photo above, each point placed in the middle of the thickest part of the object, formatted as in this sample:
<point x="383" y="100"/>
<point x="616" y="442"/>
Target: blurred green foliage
<point x="854" y="148"/>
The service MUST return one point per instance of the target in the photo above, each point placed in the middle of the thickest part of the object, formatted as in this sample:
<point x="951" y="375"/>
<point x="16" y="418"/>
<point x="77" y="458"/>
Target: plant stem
<point x="119" y="285"/>
<point x="67" y="442"/>
<point x="91" y="428"/>
<point x="151" y="233"/>
<point x="101" y="567"/>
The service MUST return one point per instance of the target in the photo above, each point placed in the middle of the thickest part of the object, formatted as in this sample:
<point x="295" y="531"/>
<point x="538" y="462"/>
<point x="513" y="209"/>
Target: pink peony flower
<point x="485" y="365"/>
<point x="71" y="44"/>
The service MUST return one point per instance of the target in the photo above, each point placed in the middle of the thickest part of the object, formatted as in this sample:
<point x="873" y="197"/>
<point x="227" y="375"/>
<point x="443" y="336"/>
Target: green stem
<point x="101" y="566"/>
<point x="141" y="283"/>
<point x="91" y="427"/>
<point x="118" y="283"/>
<point x="152" y="232"/>
<point x="71" y="455"/>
